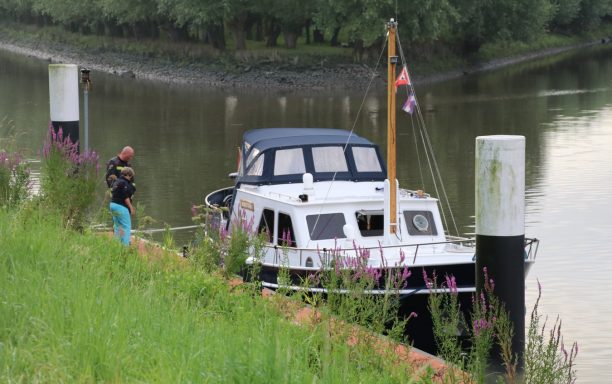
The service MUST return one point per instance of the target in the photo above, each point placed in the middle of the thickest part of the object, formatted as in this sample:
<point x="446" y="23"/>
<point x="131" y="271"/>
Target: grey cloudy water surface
<point x="185" y="140"/>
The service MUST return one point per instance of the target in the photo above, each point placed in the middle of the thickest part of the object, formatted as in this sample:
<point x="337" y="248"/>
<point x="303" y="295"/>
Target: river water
<point x="186" y="137"/>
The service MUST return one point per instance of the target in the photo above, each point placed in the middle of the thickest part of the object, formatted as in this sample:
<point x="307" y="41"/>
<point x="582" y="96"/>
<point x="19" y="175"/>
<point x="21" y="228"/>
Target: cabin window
<point x="289" y="162"/>
<point x="266" y="223"/>
<point x="370" y="223"/>
<point x="420" y="223"/>
<point x="257" y="168"/>
<point x="326" y="226"/>
<point x="366" y="159"/>
<point x="329" y="159"/>
<point x="286" y="234"/>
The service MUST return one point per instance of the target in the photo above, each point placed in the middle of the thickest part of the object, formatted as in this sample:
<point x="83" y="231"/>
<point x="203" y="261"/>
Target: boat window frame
<point x="267" y="176"/>
<point x="260" y="158"/>
<point x="334" y="146"/>
<point x="366" y="175"/>
<point x="278" y="229"/>
<point x="337" y="234"/>
<point x="271" y="230"/>
<point x="371" y="232"/>
<point x="303" y="158"/>
<point x="409" y="215"/>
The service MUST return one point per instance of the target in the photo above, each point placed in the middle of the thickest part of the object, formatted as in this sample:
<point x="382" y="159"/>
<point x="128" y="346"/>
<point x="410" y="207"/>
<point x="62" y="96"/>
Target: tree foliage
<point x="360" y="23"/>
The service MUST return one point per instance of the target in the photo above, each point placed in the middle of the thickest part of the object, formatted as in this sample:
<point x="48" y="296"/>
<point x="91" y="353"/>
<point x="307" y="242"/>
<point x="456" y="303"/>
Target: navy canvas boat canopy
<point x="283" y="155"/>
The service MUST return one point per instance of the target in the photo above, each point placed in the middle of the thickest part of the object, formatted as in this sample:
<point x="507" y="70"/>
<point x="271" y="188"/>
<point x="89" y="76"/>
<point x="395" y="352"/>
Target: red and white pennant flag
<point x="403" y="78"/>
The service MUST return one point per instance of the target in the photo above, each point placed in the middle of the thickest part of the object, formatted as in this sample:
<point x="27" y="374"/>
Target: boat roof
<point x="264" y="152"/>
<point x="266" y="138"/>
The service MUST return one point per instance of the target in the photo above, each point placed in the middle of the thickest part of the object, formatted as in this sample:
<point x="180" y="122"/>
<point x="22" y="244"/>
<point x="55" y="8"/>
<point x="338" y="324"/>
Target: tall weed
<point x="68" y="179"/>
<point x="14" y="180"/>
<point x="350" y="284"/>
<point x="215" y="249"/>
<point x="546" y="360"/>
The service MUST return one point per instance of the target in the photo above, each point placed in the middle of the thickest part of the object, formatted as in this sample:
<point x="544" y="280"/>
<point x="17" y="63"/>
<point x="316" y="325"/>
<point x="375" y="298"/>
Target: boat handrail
<point x="531" y="248"/>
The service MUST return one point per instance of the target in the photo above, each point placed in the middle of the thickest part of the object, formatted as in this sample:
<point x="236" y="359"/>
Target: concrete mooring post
<point x="500" y="225"/>
<point x="64" y="99"/>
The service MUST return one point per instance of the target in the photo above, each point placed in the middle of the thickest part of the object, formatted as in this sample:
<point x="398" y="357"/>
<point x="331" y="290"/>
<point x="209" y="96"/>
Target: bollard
<point x="500" y="225"/>
<point x="64" y="99"/>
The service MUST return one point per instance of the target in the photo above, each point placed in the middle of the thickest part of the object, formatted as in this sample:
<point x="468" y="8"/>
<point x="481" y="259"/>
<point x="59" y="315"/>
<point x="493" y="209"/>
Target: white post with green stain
<point x="500" y="225"/>
<point x="64" y="99"/>
<point x="500" y="185"/>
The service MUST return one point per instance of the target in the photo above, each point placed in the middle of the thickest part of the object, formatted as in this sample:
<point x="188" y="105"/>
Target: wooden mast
<point x="391" y="155"/>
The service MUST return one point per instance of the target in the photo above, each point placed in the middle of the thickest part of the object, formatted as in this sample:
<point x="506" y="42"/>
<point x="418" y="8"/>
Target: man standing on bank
<point x="117" y="163"/>
<point x="121" y="205"/>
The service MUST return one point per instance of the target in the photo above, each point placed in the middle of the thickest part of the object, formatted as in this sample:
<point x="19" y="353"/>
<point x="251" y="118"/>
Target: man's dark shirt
<point x="122" y="189"/>
<point x="113" y="168"/>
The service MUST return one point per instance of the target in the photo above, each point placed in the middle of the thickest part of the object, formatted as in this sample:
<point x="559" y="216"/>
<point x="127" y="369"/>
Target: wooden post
<point x="391" y="146"/>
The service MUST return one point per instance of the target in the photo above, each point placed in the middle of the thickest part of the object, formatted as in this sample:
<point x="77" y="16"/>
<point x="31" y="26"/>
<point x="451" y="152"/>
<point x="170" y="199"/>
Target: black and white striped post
<point x="64" y="99"/>
<point x="500" y="225"/>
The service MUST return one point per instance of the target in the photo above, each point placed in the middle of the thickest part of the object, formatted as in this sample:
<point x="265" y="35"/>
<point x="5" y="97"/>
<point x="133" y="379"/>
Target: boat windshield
<point x="277" y="156"/>
<point x="329" y="159"/>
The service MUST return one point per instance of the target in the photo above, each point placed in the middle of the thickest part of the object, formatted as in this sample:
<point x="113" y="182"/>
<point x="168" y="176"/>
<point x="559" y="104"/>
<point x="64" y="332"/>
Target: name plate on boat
<point x="244" y="204"/>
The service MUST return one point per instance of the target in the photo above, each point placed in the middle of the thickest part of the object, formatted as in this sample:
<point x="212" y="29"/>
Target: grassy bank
<point x="81" y="308"/>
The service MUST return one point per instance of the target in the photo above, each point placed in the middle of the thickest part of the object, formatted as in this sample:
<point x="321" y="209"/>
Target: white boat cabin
<point x="316" y="189"/>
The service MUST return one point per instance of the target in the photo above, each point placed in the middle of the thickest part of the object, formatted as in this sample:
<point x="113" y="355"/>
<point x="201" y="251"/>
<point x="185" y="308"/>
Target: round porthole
<point x="309" y="262"/>
<point x="420" y="222"/>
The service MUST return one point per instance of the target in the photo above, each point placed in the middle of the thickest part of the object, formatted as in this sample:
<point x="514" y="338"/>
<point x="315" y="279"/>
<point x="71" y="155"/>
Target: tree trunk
<point x="216" y="36"/>
<point x="238" y="27"/>
<point x="318" y="36"/>
<point x="307" y="31"/>
<point x="290" y="39"/>
<point x="271" y="30"/>
<point x="259" y="31"/>
<point x="358" y="51"/>
<point x="334" y="40"/>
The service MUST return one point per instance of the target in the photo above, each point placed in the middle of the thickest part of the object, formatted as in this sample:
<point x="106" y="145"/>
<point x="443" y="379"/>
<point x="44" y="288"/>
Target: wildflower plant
<point x="68" y="178"/>
<point x="547" y="360"/>
<point x="364" y="295"/>
<point x="14" y="179"/>
<point x="226" y="246"/>
<point x="447" y="317"/>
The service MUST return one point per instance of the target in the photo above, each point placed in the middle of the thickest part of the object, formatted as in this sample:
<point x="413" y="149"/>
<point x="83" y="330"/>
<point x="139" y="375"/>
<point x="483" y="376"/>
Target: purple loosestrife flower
<point x="374" y="273"/>
<point x="428" y="283"/>
<point x="223" y="233"/>
<point x="412" y="314"/>
<point x="314" y="278"/>
<point x="451" y="283"/>
<point x="480" y="325"/>
<point x="406" y="274"/>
